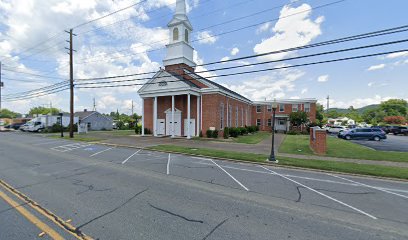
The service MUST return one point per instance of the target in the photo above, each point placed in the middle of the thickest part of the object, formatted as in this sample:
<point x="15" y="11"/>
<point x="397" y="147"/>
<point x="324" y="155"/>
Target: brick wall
<point x="212" y="112"/>
<point x="148" y="113"/>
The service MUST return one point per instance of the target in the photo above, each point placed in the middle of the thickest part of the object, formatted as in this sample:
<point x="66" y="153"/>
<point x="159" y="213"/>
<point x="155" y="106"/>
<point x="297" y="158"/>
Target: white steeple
<point x="179" y="50"/>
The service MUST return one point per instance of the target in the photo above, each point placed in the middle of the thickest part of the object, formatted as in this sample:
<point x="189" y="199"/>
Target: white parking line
<point x="365" y="185"/>
<point x="242" y="185"/>
<point x="127" y="159"/>
<point x="46" y="143"/>
<point x="105" y="150"/>
<point x="320" y="193"/>
<point x="168" y="164"/>
<point x="295" y="176"/>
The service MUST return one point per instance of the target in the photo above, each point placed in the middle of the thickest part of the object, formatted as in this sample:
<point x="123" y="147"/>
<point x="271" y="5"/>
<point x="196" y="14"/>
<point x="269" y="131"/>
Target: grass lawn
<point x="299" y="144"/>
<point x="365" y="169"/>
<point x="78" y="138"/>
<point x="252" y="139"/>
<point x="116" y="132"/>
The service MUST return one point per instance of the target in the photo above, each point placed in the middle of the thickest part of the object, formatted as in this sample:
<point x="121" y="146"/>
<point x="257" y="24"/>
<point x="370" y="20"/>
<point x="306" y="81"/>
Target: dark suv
<point x="364" y="133"/>
<point x="389" y="129"/>
<point x="400" y="130"/>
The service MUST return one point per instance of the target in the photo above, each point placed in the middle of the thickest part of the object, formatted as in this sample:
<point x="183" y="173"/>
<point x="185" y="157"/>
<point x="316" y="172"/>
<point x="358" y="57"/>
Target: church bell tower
<point x="179" y="51"/>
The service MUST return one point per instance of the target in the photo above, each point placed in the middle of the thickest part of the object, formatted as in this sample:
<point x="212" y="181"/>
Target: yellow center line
<point x="48" y="214"/>
<point x="30" y="217"/>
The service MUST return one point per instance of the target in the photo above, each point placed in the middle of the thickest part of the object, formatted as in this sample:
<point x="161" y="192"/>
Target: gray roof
<point x="84" y="114"/>
<point x="216" y="84"/>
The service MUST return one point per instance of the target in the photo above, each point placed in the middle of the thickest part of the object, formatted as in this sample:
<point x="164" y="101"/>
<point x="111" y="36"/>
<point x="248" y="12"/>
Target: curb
<point x="254" y="162"/>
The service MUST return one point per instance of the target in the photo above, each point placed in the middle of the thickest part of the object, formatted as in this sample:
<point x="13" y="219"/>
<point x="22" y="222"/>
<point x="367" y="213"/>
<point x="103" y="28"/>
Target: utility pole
<point x="328" y="103"/>
<point x="132" y="108"/>
<point x="71" y="84"/>
<point x="1" y="85"/>
<point x="94" y="105"/>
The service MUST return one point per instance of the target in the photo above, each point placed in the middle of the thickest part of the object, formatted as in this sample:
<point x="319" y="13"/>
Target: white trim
<point x="188" y="115"/>
<point x="172" y="117"/>
<point x="143" y="117"/>
<point x="198" y="117"/>
<point x="155" y="117"/>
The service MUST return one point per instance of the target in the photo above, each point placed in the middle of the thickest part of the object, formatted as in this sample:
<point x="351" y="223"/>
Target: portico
<point x="174" y="114"/>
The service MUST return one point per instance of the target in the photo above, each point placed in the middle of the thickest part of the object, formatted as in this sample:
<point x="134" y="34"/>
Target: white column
<point x="198" y="117"/>
<point x="155" y="117"/>
<point x="143" y="118"/>
<point x="201" y="113"/>
<point x="172" y="117"/>
<point x="188" y="116"/>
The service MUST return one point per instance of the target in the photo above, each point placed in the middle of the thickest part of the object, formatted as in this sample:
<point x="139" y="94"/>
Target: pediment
<point x="163" y="81"/>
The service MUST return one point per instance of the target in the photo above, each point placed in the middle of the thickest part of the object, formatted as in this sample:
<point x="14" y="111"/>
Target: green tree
<point x="5" y="113"/>
<point x="395" y="107"/>
<point x="319" y="113"/>
<point x="373" y="116"/>
<point x="298" y="118"/>
<point x="333" y="114"/>
<point x="43" y="111"/>
<point x="353" y="114"/>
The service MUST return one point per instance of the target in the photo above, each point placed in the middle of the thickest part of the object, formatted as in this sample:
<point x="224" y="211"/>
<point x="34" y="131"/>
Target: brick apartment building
<point x="178" y="102"/>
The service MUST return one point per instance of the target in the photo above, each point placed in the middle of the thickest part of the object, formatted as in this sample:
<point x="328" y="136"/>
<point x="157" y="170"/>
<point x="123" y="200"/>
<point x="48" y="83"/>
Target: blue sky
<point x="116" y="45"/>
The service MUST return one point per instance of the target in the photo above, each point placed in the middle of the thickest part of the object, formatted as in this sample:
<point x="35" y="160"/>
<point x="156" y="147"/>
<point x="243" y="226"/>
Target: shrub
<point x="209" y="133"/>
<point x="147" y="131"/>
<point x="233" y="132"/>
<point x="138" y="129"/>
<point x="256" y="128"/>
<point x="243" y="130"/>
<point x="310" y="125"/>
<point x="291" y="132"/>
<point x="226" y="133"/>
<point x="201" y="134"/>
<point x="215" y="134"/>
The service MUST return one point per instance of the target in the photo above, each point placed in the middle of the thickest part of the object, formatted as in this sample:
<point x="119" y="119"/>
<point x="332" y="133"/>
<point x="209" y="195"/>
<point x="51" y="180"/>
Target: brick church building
<point x="178" y="102"/>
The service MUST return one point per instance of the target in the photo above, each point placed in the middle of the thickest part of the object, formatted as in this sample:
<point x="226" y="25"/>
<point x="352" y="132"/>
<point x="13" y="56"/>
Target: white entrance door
<point x="192" y="127"/>
<point x="160" y="126"/>
<point x="177" y="124"/>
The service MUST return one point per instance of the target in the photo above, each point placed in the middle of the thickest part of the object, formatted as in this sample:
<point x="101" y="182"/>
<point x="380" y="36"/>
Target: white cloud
<point x="298" y="30"/>
<point x="396" y="55"/>
<point x="264" y="27"/>
<point x="234" y="51"/>
<point x="356" y="102"/>
<point x="370" y="84"/>
<point x="305" y="90"/>
<point x="226" y="58"/>
<point x="206" y="37"/>
<point x="323" y="78"/>
<point x="376" y="67"/>
<point x="274" y="85"/>
<point x="200" y="61"/>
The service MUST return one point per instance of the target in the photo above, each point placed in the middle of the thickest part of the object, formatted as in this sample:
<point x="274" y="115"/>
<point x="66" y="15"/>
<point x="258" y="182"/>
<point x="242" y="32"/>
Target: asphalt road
<point x="392" y="143"/>
<point x="120" y="193"/>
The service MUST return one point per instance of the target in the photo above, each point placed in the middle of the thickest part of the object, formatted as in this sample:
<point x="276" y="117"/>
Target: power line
<point x="264" y="70"/>
<point x="36" y="96"/>
<point x="26" y="96"/>
<point x="109" y="14"/>
<point x="334" y="41"/>
<point x="32" y="74"/>
<point x="37" y="90"/>
<point x="219" y="34"/>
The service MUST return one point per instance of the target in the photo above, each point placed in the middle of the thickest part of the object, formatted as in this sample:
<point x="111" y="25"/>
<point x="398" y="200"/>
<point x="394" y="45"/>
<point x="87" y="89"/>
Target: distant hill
<point x="359" y="110"/>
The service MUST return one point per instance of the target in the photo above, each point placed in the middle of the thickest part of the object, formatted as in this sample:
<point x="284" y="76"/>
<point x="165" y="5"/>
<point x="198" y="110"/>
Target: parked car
<point x="389" y="129"/>
<point x="14" y="126"/>
<point x="363" y="133"/>
<point x="400" y="130"/>
<point x="336" y="129"/>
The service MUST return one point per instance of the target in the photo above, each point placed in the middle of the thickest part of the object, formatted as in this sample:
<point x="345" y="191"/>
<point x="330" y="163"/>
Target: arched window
<point x="175" y="34"/>
<point x="186" y="35"/>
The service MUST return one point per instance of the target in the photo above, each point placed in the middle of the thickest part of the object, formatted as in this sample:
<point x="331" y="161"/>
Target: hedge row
<point x="235" y="132"/>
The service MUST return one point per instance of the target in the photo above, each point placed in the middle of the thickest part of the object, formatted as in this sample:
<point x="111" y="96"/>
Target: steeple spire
<point x="179" y="51"/>
<point x="181" y="7"/>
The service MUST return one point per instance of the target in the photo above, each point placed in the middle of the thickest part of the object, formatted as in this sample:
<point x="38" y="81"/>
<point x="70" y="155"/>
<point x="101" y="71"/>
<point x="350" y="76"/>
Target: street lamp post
<point x="62" y="127"/>
<point x="272" y="156"/>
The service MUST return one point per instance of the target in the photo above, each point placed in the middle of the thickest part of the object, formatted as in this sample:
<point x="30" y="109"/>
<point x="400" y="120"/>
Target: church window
<point x="186" y="35"/>
<point x="175" y="34"/>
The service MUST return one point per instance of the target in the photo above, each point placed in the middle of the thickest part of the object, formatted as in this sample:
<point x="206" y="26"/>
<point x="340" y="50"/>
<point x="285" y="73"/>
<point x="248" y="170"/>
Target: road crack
<point x="175" y="214"/>
<point x="215" y="228"/>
